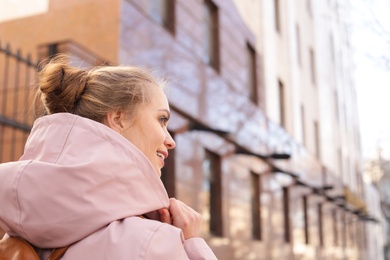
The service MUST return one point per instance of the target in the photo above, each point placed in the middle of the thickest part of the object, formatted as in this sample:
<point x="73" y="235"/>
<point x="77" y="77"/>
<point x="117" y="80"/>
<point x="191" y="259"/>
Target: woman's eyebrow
<point x="167" y="111"/>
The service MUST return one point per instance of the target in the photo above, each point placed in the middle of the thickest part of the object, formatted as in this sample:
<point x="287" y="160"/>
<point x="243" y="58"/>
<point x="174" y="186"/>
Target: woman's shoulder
<point x="132" y="236"/>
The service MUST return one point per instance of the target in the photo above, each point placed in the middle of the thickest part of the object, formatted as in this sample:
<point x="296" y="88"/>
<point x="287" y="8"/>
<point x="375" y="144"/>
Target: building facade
<point x="309" y="79"/>
<point x="263" y="112"/>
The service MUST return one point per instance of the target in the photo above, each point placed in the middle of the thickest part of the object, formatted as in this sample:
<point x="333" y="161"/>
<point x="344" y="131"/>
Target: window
<point x="163" y="12"/>
<point x="312" y="67"/>
<point x="331" y="44"/>
<point x="336" y="107"/>
<point x="320" y="224"/>
<point x="52" y="49"/>
<point x="335" y="233"/>
<point x="303" y="124"/>
<point x="282" y="105"/>
<point x="252" y="75"/>
<point x="317" y="139"/>
<point x="46" y="52"/>
<point x="308" y="6"/>
<point x="359" y="179"/>
<point x="77" y="55"/>
<point x="211" y="35"/>
<point x="277" y="15"/>
<point x="344" y="230"/>
<point x="286" y="215"/>
<point x="168" y="173"/>
<point x="364" y="235"/>
<point x="341" y="166"/>
<point x="256" y="206"/>
<point x="298" y="36"/>
<point x="213" y="172"/>
<point x="305" y="219"/>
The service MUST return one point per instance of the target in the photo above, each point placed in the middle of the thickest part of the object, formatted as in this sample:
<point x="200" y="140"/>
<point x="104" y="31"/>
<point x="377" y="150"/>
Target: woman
<point x="89" y="176"/>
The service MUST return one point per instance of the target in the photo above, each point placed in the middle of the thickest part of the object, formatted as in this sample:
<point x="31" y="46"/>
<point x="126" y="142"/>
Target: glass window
<point x="212" y="168"/>
<point x="286" y="214"/>
<point x="335" y="233"/>
<point x="211" y="34"/>
<point x="163" y="12"/>
<point x="317" y="140"/>
<point x="303" y="124"/>
<point x="298" y="36"/>
<point x="336" y="107"/>
<point x="282" y="104"/>
<point x="256" y="206"/>
<point x="309" y="7"/>
<point x="312" y="66"/>
<point x="277" y="15"/>
<point x="320" y="224"/>
<point x="331" y="44"/>
<point x="305" y="219"/>
<point x="252" y="75"/>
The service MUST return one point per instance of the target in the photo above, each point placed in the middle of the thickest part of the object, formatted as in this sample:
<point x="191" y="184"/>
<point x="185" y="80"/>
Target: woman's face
<point x="149" y="133"/>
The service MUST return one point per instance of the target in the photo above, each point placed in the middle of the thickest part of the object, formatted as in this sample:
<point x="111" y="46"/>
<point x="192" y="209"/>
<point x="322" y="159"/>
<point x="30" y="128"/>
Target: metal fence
<point x="17" y="78"/>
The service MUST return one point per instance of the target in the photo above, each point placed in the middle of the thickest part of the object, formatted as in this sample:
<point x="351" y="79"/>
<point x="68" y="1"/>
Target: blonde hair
<point x="94" y="93"/>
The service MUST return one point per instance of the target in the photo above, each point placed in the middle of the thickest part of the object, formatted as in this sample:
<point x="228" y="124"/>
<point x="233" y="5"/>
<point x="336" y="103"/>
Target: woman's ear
<point x="114" y="120"/>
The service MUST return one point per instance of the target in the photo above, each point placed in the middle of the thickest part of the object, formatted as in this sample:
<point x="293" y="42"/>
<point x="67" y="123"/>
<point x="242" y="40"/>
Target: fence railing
<point x="17" y="78"/>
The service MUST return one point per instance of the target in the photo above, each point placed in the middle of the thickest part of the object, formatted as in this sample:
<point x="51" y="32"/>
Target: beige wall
<point x="93" y="24"/>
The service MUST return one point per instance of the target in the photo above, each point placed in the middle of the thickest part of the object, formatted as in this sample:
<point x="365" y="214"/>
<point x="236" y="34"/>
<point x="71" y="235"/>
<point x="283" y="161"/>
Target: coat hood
<point x="75" y="177"/>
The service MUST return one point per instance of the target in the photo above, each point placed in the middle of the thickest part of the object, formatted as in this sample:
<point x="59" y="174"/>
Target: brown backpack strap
<point x="58" y="253"/>
<point x="16" y="248"/>
<point x="19" y="248"/>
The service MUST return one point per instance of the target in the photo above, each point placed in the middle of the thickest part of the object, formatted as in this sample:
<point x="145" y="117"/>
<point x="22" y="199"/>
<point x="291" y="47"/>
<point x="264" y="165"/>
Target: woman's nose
<point x="169" y="142"/>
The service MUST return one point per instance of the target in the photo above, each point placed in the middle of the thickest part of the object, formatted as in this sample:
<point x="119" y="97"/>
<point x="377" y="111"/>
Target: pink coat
<point x="81" y="182"/>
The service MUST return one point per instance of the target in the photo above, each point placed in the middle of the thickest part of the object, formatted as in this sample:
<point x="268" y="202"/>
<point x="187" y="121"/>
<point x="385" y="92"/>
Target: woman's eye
<point x="164" y="120"/>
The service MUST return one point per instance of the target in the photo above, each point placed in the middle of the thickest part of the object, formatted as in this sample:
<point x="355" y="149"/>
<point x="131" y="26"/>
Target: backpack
<point x="17" y="248"/>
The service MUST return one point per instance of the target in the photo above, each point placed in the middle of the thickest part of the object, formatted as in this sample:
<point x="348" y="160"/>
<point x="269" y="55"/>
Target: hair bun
<point x="61" y="85"/>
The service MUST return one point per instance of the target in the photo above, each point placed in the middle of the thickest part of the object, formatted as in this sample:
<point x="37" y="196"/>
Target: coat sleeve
<point x="197" y="248"/>
<point x="168" y="243"/>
